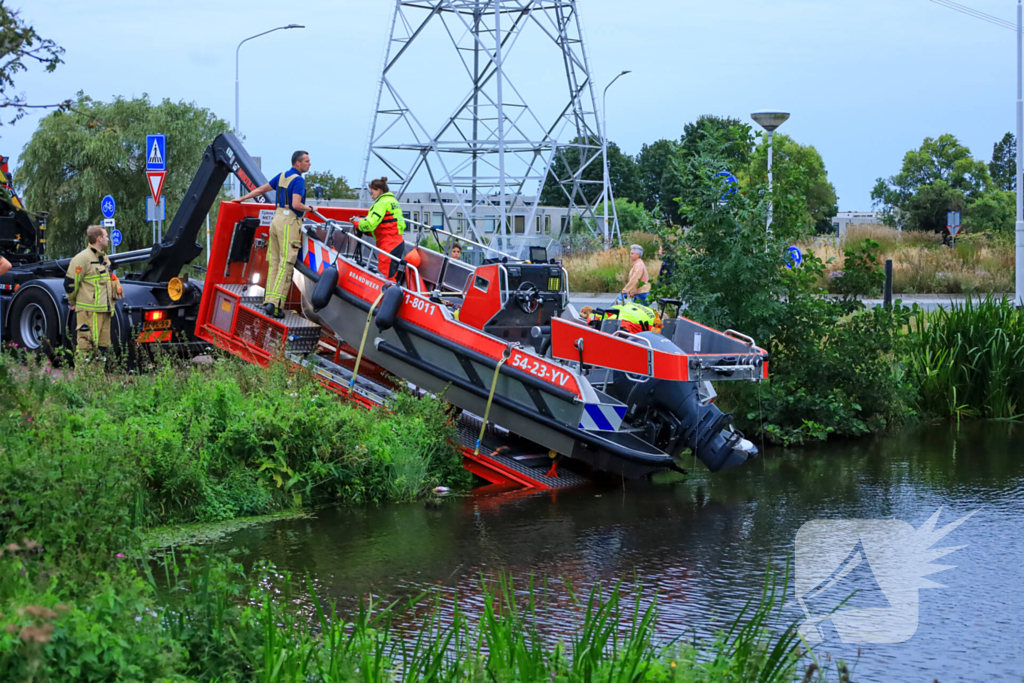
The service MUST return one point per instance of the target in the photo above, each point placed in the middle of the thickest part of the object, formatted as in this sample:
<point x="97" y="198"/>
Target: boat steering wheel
<point x="528" y="297"/>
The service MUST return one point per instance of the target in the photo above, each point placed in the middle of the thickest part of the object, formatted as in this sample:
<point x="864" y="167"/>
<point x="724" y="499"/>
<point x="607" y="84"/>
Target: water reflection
<point x="703" y="544"/>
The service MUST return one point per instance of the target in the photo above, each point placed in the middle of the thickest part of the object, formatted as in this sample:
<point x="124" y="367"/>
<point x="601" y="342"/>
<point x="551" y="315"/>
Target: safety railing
<point x="630" y="337"/>
<point x="373" y="248"/>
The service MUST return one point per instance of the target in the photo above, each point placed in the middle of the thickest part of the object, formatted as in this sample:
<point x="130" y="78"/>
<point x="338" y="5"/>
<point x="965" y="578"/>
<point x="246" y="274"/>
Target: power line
<point x="963" y="9"/>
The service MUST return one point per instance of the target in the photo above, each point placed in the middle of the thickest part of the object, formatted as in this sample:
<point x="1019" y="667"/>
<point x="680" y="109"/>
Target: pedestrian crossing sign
<point x="156" y="153"/>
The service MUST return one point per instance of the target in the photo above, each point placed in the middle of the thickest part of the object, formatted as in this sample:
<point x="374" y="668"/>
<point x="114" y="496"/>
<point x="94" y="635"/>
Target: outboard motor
<point x="673" y="418"/>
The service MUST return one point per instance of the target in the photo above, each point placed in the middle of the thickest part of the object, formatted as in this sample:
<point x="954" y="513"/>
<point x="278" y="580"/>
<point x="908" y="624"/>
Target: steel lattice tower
<point x="494" y="147"/>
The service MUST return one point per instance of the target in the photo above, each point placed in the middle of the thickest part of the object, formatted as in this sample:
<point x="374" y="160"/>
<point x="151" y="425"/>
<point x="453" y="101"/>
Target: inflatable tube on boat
<point x="387" y="312"/>
<point x="705" y="429"/>
<point x="324" y="289"/>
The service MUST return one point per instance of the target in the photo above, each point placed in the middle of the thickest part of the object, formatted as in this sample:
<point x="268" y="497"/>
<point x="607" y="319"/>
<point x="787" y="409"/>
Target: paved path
<point x="928" y="302"/>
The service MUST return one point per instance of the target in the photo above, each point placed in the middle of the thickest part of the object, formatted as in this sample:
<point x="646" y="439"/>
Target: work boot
<point x="278" y="313"/>
<point x="269" y="308"/>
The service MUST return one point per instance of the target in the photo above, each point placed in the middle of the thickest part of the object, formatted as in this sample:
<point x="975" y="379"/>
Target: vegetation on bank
<point x="921" y="263"/>
<point x="968" y="361"/>
<point x="211" y="621"/>
<point x="837" y="368"/>
<point x="91" y="458"/>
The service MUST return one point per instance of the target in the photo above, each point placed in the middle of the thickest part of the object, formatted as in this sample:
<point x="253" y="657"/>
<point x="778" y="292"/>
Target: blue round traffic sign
<point x="115" y="237"/>
<point x="794" y="257"/>
<point x="732" y="182"/>
<point x="108" y="206"/>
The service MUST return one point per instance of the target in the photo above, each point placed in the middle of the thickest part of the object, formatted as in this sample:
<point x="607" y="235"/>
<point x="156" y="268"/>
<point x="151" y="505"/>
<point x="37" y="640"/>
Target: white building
<point x="845" y="218"/>
<point x="427" y="208"/>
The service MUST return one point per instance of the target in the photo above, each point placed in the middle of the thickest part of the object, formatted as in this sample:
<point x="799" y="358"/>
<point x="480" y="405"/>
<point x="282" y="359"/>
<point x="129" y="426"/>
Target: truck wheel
<point x="34" y="323"/>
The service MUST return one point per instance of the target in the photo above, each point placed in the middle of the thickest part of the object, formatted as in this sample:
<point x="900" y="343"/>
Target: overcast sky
<point x="865" y="81"/>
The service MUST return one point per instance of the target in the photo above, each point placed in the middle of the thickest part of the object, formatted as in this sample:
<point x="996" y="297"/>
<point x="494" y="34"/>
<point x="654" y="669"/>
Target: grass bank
<point x="88" y="460"/>
<point x="922" y="264"/>
<point x="211" y="621"/>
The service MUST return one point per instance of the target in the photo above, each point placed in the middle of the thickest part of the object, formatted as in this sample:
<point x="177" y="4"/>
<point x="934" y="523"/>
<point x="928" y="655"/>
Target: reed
<point x="968" y="360"/>
<point x="612" y="640"/>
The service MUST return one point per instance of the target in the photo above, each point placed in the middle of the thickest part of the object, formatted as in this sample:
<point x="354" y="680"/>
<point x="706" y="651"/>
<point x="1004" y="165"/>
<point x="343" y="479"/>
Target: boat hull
<point x="458" y="363"/>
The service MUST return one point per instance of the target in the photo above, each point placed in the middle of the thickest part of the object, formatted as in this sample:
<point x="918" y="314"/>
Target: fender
<point x="387" y="312"/>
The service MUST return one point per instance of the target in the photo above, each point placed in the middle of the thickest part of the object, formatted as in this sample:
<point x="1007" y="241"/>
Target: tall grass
<point x="611" y="638"/>
<point x="968" y="361"/>
<point x="923" y="265"/>
<point x="604" y="271"/>
<point x="206" y="620"/>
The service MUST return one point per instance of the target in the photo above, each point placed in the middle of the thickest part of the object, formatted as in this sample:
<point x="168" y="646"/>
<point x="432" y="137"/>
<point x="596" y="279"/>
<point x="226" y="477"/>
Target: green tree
<point x="622" y="173"/>
<point x="995" y="212"/>
<point x="729" y="138"/>
<point x="652" y="162"/>
<point x="798" y="171"/>
<point x="633" y="217"/>
<point x="939" y="160"/>
<point x="832" y="363"/>
<point x="77" y="157"/>
<point x="1003" y="167"/>
<point x="333" y="187"/>
<point x="20" y="44"/>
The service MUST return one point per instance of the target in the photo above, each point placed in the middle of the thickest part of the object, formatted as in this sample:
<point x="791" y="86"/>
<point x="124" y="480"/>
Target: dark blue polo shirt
<point x="296" y="187"/>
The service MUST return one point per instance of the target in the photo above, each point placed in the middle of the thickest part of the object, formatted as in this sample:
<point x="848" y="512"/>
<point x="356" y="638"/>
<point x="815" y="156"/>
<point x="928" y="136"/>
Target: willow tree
<point x="76" y="157"/>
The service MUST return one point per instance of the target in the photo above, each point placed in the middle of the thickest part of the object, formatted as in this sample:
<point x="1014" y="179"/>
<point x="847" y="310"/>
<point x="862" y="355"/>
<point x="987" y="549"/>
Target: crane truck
<point x="160" y="304"/>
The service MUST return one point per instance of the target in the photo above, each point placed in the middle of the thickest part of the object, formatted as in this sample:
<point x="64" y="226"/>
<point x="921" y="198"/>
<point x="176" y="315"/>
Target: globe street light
<point x="604" y="152"/>
<point x="770" y="120"/>
<point x="238" y="131"/>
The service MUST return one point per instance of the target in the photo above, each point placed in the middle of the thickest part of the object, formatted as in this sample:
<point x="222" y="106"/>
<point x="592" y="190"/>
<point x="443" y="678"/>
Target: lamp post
<point x="770" y="120"/>
<point x="604" y="153"/>
<point x="1019" y="279"/>
<point x="238" y="185"/>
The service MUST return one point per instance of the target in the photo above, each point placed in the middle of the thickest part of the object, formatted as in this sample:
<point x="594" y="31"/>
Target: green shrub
<point x="108" y="632"/>
<point x="89" y="458"/>
<point x="862" y="274"/>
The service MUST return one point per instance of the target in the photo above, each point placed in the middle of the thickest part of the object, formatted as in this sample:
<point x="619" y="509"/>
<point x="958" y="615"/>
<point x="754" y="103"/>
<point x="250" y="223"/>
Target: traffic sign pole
<point x="156" y="173"/>
<point x="953" y="225"/>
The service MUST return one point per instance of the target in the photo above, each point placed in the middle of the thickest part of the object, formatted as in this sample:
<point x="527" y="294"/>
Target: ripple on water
<point x="702" y="546"/>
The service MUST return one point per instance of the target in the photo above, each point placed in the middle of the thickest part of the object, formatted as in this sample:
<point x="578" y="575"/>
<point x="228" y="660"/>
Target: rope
<point x="490" y="397"/>
<point x="362" y="344"/>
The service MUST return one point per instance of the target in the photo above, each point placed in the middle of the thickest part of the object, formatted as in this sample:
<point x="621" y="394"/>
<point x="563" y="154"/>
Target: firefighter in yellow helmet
<point x="92" y="288"/>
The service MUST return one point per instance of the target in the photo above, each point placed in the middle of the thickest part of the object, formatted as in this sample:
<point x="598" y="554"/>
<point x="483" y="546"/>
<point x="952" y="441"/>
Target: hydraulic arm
<point x="179" y="247"/>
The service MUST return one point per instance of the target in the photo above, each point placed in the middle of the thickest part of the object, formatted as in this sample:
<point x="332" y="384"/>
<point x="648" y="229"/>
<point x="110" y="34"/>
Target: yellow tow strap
<point x="490" y="397"/>
<point x="362" y="344"/>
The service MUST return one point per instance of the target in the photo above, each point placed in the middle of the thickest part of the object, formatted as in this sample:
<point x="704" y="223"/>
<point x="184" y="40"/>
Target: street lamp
<point x="770" y="120"/>
<point x="604" y="152"/>
<point x="1019" y="227"/>
<point x="238" y="131"/>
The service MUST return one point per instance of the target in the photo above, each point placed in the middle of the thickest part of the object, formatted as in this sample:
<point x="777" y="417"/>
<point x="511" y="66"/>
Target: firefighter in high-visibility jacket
<point x="634" y="318"/>
<point x="92" y="288"/>
<point x="285" y="234"/>
<point x="387" y="224"/>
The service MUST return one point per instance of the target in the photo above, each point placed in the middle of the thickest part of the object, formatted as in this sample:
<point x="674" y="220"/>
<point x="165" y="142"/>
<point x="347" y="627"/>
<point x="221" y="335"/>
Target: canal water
<point x="701" y="545"/>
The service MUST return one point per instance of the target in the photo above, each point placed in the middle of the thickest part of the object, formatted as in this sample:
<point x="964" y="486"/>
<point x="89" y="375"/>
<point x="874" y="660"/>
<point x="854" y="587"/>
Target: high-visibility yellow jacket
<point x="90" y="283"/>
<point x="635" y="313"/>
<point x="384" y="218"/>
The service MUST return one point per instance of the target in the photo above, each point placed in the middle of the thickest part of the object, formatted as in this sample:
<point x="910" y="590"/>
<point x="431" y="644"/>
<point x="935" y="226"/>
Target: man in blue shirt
<point x="285" y="230"/>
